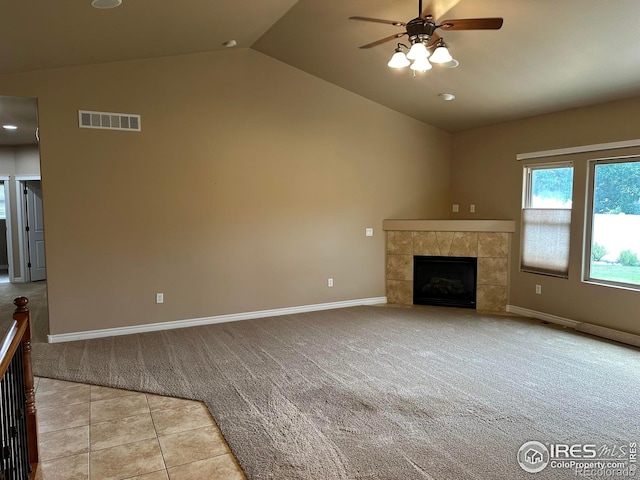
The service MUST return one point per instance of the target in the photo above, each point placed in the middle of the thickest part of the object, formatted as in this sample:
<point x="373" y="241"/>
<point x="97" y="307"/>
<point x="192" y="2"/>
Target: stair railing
<point x="18" y="416"/>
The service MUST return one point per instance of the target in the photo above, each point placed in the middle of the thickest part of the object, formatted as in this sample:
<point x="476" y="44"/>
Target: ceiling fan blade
<point x="383" y="40"/>
<point x="437" y="8"/>
<point x="379" y="20"/>
<point x="472" y="24"/>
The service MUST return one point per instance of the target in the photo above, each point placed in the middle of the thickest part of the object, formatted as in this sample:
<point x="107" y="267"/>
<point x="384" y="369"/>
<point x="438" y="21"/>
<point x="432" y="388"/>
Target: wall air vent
<point x="109" y="120"/>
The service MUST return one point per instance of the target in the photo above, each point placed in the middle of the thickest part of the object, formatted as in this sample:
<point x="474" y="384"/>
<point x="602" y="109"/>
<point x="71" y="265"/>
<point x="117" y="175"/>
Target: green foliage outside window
<point x="628" y="259"/>
<point x="617" y="188"/>
<point x="553" y="183"/>
<point x="597" y="252"/>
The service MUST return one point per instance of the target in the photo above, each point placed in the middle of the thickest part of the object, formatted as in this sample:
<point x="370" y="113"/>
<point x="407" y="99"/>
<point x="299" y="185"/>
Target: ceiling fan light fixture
<point x="421" y="65"/>
<point x="399" y="60"/>
<point x="422" y="35"/>
<point x="441" y="55"/>
<point x="418" y="50"/>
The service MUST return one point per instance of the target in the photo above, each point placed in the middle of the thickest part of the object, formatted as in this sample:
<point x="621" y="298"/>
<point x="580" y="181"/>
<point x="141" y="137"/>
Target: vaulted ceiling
<point x="550" y="55"/>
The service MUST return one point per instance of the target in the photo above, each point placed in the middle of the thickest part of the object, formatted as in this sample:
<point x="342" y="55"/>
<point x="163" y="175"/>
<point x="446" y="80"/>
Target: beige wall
<point x="485" y="172"/>
<point x="19" y="160"/>
<point x="250" y="184"/>
<point x="27" y="160"/>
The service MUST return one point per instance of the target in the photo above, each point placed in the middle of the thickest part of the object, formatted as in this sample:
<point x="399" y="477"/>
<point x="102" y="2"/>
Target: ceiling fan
<point x="422" y="35"/>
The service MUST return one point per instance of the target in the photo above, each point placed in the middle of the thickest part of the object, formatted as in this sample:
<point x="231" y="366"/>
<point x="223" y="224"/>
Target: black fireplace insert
<point x="446" y="281"/>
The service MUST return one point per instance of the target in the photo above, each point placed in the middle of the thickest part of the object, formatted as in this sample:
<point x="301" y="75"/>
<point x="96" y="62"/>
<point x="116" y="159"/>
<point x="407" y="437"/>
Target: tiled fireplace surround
<point x="488" y="240"/>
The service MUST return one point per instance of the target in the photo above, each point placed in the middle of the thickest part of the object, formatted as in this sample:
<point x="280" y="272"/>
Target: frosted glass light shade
<point x="398" y="60"/>
<point x="106" y="3"/>
<point x="421" y="65"/>
<point x="441" y="55"/>
<point x="418" y="50"/>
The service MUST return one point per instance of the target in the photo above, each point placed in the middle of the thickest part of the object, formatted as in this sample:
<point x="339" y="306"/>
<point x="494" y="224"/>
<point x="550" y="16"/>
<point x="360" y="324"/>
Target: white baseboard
<point x="153" y="327"/>
<point x="525" y="312"/>
<point x="610" y="333"/>
<point x="597" y="330"/>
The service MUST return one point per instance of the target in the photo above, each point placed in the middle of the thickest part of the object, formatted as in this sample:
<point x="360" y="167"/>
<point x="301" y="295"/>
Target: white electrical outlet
<point x="455" y="208"/>
<point x="368" y="232"/>
<point x="539" y="289"/>
<point x="330" y="282"/>
<point x="159" y="297"/>
<point x="472" y="208"/>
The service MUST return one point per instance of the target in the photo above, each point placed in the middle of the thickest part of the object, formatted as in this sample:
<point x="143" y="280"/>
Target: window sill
<point x="604" y="283"/>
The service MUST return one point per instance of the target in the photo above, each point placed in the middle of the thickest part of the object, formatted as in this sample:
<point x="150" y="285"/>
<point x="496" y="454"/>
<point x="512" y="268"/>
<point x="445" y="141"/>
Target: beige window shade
<point x="545" y="244"/>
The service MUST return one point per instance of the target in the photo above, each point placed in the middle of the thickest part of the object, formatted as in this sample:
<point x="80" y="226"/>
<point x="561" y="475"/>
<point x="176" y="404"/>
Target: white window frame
<point x="588" y="236"/>
<point x="3" y="202"/>
<point x="526" y="204"/>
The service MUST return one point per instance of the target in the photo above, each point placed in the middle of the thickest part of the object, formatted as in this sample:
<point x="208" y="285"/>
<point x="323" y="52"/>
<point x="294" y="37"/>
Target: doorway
<point x="34" y="260"/>
<point x="5" y="244"/>
<point x="21" y="200"/>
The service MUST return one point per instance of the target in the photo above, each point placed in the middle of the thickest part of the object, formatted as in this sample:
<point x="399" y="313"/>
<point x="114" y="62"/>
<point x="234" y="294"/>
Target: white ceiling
<point x="550" y="55"/>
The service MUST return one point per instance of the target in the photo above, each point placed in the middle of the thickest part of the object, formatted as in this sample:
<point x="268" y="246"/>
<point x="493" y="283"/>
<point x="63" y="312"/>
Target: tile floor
<point x="88" y="432"/>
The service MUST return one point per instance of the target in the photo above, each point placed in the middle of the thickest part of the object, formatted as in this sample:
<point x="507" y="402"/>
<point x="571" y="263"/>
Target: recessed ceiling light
<point x="447" y="96"/>
<point x="106" y="3"/>
<point x="230" y="43"/>
<point x="9" y="127"/>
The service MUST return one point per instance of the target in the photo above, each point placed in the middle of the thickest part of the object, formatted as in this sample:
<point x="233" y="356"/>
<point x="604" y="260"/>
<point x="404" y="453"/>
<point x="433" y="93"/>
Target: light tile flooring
<point x="88" y="432"/>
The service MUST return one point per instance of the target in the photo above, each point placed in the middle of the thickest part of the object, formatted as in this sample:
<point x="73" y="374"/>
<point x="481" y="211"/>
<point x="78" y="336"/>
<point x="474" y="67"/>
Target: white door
<point x="35" y="231"/>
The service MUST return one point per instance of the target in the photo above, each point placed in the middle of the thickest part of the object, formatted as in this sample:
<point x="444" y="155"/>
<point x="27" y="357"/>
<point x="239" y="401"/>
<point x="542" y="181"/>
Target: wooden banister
<point x="19" y="416"/>
<point x="22" y="316"/>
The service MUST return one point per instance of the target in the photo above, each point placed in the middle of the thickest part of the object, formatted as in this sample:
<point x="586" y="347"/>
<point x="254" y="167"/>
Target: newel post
<point x="21" y="314"/>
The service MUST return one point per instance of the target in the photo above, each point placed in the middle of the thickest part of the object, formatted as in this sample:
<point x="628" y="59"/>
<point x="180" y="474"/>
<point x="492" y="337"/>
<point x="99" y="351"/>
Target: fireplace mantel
<point x="508" y="226"/>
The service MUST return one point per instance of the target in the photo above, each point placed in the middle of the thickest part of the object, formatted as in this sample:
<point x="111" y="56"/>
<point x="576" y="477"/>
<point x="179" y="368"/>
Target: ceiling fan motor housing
<point x="419" y="28"/>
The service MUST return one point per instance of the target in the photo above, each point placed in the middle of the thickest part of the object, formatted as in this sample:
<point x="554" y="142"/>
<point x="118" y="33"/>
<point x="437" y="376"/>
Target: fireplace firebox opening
<point x="445" y="281"/>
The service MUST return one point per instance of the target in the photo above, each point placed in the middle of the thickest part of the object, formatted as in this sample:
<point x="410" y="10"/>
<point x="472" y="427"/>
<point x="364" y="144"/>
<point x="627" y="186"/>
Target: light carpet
<point x="36" y="292"/>
<point x="378" y="392"/>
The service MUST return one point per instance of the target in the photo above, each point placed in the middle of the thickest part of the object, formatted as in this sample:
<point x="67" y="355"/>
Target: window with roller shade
<point x="546" y="219"/>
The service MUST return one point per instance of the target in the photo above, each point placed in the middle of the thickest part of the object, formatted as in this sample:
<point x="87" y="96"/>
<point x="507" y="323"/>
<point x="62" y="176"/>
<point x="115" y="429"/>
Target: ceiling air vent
<point x="108" y="120"/>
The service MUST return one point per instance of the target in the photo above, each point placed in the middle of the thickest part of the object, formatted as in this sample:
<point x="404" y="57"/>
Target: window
<point x="613" y="233"/>
<point x="546" y="219"/>
<point x="3" y="205"/>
